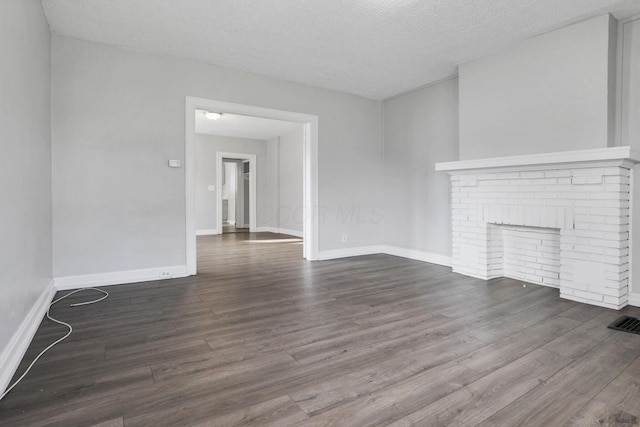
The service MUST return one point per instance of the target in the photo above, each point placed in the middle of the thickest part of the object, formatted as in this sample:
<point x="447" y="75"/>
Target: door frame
<point x="310" y="165"/>
<point x="220" y="156"/>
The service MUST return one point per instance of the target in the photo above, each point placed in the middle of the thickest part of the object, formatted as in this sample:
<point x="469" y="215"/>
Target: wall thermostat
<point x="175" y="163"/>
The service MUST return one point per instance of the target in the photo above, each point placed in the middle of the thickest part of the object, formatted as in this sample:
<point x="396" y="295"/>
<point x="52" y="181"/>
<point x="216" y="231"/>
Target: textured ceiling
<point x="372" y="48"/>
<point x="243" y="126"/>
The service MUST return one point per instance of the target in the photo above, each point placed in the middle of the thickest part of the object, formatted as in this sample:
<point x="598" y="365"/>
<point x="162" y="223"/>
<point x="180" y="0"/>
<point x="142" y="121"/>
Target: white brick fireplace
<point x="559" y="219"/>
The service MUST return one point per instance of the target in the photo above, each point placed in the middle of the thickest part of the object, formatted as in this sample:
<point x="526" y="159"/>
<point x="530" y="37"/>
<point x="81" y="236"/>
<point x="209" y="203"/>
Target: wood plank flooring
<point x="261" y="337"/>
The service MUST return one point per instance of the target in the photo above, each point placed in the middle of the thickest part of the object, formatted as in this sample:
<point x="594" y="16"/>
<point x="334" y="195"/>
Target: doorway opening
<point x="308" y="212"/>
<point x="236" y="200"/>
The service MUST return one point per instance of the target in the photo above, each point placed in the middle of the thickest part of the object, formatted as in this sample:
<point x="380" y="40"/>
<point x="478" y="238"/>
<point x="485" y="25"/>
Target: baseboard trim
<point x="277" y="230"/>
<point x="15" y="350"/>
<point x="470" y="274"/>
<point x="634" y="300"/>
<point x="413" y="254"/>
<point x="349" y="252"/>
<point x="120" y="277"/>
<point x="417" y="255"/>
<point x="289" y="232"/>
<point x="207" y="232"/>
<point x="266" y="230"/>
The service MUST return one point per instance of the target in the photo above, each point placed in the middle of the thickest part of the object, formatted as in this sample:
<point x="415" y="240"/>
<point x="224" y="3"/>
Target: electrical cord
<point x="60" y="322"/>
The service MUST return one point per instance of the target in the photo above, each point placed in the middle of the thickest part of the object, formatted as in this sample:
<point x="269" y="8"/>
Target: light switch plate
<point x="175" y="163"/>
<point x="211" y="188"/>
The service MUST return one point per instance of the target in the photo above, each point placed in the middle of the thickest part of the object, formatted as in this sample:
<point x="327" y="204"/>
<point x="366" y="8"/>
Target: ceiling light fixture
<point x="212" y="116"/>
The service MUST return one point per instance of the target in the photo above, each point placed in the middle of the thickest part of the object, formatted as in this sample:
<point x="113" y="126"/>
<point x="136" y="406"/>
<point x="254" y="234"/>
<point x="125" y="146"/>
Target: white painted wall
<point x="205" y="152"/>
<point x="118" y="115"/>
<point x="630" y="83"/>
<point x="420" y="129"/>
<point x="550" y="93"/>
<point x="270" y="212"/>
<point x="546" y="94"/>
<point x="629" y="108"/>
<point x="562" y="81"/>
<point x="284" y="178"/>
<point x="290" y="189"/>
<point x="25" y="165"/>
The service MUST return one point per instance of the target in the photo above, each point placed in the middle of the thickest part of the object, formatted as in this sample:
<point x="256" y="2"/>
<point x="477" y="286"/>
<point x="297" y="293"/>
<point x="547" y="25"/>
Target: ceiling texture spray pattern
<point x="371" y="48"/>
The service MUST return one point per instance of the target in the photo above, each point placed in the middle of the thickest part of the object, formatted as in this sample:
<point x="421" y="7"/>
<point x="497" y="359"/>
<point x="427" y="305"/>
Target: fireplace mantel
<point x="557" y="219"/>
<point x="611" y="156"/>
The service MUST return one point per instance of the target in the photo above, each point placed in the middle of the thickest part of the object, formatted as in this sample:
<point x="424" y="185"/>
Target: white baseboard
<point x="16" y="348"/>
<point x="276" y="230"/>
<point x="413" y="254"/>
<point x="266" y="230"/>
<point x="471" y="274"/>
<point x="349" y="252"/>
<point x="120" y="277"/>
<point x="634" y="300"/>
<point x="290" y="232"/>
<point x="417" y="255"/>
<point x="207" y="232"/>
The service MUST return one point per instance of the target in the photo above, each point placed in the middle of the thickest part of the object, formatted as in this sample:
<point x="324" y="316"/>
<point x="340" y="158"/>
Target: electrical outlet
<point x="165" y="275"/>
<point x="344" y="237"/>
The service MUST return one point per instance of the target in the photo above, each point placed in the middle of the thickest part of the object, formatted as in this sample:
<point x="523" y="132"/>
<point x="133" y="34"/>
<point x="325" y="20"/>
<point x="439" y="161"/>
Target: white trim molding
<point x="267" y="230"/>
<point x="291" y="232"/>
<point x="206" y="232"/>
<point x="277" y="230"/>
<point x="15" y="350"/>
<point x="417" y="255"/>
<point x="349" y="252"/>
<point x="310" y="178"/>
<point x="601" y="156"/>
<point x="413" y="254"/>
<point x="634" y="299"/>
<point x="120" y="277"/>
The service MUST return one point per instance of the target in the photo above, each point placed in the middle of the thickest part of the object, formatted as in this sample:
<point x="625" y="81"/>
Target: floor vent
<point x="626" y="324"/>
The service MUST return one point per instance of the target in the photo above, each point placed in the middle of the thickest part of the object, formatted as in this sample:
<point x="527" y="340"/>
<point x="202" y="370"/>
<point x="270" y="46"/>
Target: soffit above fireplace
<point x="611" y="156"/>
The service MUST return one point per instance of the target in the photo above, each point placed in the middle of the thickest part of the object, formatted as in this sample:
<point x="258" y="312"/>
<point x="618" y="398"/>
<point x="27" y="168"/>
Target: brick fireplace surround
<point x="558" y="219"/>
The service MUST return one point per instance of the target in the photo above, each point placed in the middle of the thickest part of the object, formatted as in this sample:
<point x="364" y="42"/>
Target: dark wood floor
<point x="230" y="228"/>
<point x="261" y="337"/>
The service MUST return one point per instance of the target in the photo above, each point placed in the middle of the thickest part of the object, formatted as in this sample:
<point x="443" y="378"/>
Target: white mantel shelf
<point x="578" y="158"/>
